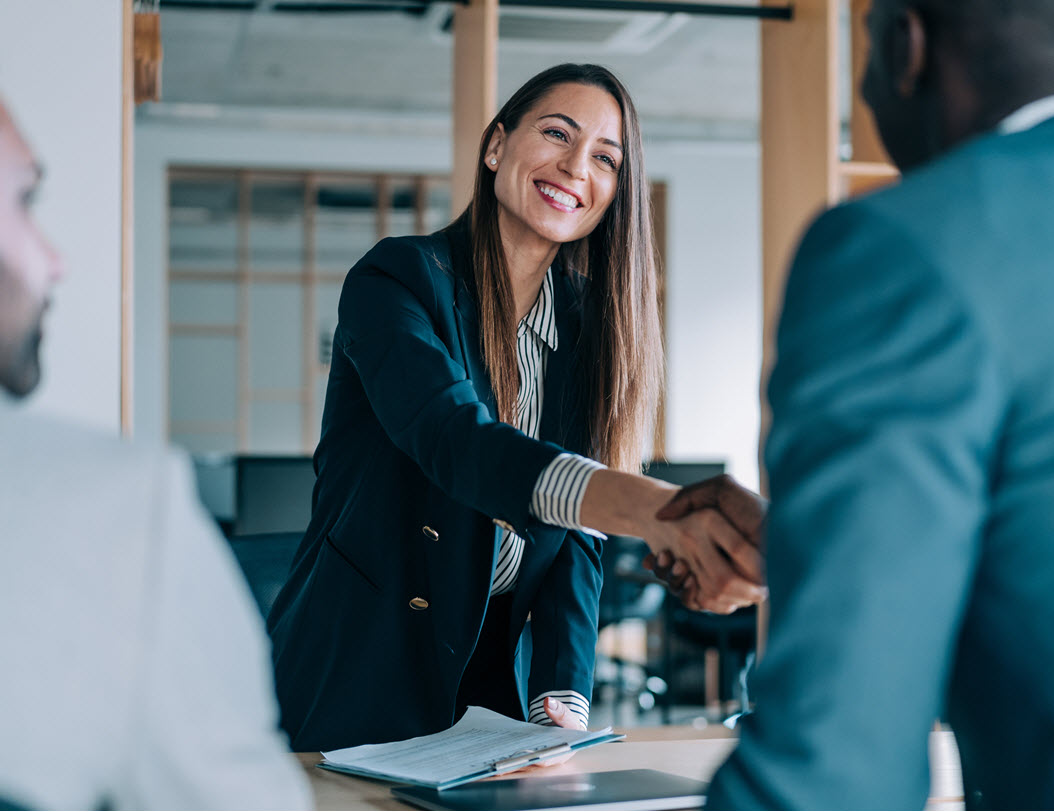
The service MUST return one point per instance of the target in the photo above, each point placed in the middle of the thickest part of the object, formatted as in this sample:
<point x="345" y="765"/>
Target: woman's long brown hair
<point x="621" y="342"/>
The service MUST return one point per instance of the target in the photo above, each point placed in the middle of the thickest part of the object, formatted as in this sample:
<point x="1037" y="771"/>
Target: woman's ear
<point x="910" y="52"/>
<point x="494" y="149"/>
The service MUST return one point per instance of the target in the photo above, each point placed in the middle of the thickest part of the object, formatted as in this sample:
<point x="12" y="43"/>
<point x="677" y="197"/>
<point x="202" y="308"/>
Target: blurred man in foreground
<point x="135" y="668"/>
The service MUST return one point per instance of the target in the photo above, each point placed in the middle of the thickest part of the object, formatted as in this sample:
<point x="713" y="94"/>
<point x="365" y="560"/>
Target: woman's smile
<point x="557" y="196"/>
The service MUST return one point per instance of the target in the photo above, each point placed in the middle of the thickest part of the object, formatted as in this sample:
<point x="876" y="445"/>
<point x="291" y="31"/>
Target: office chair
<point x="249" y="494"/>
<point x="733" y="636"/>
<point x="272" y="494"/>
<point x="265" y="559"/>
<point x="629" y="593"/>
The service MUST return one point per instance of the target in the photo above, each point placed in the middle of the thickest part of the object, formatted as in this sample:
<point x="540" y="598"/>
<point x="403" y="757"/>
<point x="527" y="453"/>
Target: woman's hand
<point x="561" y="716"/>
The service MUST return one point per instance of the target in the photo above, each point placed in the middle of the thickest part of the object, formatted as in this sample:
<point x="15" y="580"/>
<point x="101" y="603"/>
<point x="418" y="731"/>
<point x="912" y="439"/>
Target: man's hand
<point x="743" y="508"/>
<point x="728" y="573"/>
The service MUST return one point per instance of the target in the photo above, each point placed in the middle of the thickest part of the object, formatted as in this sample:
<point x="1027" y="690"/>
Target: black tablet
<point x="618" y="789"/>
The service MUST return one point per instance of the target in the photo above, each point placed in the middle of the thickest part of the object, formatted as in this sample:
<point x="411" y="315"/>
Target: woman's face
<point x="556" y="173"/>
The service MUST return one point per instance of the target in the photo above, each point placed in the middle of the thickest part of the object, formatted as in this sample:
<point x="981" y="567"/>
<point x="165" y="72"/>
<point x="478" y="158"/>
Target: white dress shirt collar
<point x="542" y="317"/>
<point x="1028" y="116"/>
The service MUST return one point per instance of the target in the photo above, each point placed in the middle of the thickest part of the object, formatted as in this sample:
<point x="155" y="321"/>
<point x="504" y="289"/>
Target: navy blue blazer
<point x="413" y="472"/>
<point x="911" y="463"/>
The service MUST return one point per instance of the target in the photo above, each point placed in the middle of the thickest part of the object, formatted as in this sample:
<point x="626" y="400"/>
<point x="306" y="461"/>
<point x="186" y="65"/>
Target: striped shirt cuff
<point x="573" y="701"/>
<point x="557" y="497"/>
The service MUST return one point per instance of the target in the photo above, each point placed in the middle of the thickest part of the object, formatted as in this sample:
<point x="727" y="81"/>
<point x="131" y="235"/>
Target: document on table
<point x="482" y="744"/>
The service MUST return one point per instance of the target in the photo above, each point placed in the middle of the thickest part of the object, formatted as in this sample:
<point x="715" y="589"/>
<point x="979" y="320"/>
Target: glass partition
<point x="256" y="263"/>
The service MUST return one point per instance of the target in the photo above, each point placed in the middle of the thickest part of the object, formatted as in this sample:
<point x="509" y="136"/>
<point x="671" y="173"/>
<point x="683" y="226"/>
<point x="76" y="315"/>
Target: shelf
<point x="860" y="177"/>
<point x="204" y="329"/>
<point x="866" y="169"/>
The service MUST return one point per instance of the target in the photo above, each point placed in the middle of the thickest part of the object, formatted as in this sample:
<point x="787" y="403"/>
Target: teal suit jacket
<point x="911" y="463"/>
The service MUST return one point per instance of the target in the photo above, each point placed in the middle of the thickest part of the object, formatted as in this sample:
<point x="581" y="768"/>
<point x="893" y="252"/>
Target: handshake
<point x="721" y="567"/>
<point x="705" y="539"/>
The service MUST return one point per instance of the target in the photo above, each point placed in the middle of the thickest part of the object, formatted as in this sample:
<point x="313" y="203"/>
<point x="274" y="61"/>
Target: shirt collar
<point x="1028" y="116"/>
<point x="542" y="318"/>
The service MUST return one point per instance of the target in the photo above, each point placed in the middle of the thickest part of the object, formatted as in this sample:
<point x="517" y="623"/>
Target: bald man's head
<point x="940" y="71"/>
<point x="28" y="265"/>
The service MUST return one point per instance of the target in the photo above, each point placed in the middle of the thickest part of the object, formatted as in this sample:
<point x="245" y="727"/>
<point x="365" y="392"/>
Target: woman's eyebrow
<point x="578" y="128"/>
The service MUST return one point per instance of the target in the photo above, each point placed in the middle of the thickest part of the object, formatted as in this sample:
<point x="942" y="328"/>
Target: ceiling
<point x="691" y="76"/>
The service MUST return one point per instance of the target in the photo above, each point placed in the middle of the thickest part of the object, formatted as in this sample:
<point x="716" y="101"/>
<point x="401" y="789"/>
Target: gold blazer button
<point x="430" y="534"/>
<point x="418" y="604"/>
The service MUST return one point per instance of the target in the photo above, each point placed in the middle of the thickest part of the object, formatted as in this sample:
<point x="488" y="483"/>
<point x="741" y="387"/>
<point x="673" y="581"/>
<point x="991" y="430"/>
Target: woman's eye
<point x="556" y="133"/>
<point x="608" y="160"/>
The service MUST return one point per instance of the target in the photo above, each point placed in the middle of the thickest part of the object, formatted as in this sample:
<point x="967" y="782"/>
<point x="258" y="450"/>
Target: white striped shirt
<point x="558" y="492"/>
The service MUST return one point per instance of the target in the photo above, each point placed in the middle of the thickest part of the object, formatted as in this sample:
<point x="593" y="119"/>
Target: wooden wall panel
<point x="799" y="145"/>
<point x="475" y="90"/>
<point x="127" y="213"/>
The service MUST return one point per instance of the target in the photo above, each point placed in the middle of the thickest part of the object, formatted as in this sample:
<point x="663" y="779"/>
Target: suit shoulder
<point x="957" y="187"/>
<point x="419" y="262"/>
<point x="49" y="449"/>
<point x="75" y="480"/>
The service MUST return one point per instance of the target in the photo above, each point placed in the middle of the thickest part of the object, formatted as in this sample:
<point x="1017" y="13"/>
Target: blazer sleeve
<point x="422" y="395"/>
<point x="886" y="401"/>
<point x="564" y="618"/>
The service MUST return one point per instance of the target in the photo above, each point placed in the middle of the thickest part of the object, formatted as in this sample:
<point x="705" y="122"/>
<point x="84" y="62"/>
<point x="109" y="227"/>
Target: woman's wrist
<point x="624" y="504"/>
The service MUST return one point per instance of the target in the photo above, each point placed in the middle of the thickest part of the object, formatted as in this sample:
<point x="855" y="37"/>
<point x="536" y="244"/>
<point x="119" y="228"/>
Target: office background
<point x="369" y="93"/>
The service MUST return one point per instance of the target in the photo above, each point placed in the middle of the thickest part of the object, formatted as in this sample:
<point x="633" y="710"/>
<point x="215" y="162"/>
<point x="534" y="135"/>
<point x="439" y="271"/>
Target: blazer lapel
<point x="468" y="333"/>
<point x="562" y="422"/>
<point x="468" y="323"/>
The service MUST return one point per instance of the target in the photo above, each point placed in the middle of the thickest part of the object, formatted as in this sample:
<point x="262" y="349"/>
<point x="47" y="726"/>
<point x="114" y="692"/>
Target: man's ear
<point x="910" y="52"/>
<point x="492" y="157"/>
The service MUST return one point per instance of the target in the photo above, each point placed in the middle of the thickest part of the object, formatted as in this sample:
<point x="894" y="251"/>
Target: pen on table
<point x="534" y="755"/>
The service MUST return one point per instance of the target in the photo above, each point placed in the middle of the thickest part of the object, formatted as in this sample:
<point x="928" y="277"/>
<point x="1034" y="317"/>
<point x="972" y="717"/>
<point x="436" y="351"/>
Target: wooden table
<point x="686" y="751"/>
<point x="682" y="751"/>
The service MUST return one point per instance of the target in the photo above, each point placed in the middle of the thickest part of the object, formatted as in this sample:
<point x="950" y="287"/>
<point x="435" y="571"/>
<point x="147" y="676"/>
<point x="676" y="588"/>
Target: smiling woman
<point x="572" y="133"/>
<point x="482" y="378"/>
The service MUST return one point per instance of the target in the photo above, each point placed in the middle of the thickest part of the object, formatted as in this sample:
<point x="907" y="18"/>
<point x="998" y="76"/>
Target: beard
<point x="20" y="338"/>
<point x="22" y="374"/>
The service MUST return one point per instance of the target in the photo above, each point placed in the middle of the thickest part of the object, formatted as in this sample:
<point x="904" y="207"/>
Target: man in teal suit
<point x="911" y="458"/>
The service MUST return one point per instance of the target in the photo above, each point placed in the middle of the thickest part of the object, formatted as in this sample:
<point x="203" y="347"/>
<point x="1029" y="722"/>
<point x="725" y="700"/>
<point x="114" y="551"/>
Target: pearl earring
<point x="493" y="161"/>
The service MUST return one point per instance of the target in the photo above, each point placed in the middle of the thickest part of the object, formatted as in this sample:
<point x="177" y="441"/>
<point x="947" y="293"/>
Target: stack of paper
<point x="483" y="743"/>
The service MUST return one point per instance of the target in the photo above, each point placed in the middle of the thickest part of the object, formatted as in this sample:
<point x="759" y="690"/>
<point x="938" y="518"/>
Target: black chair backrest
<point x="626" y="592"/>
<point x="684" y="473"/>
<point x="272" y="494"/>
<point x="265" y="558"/>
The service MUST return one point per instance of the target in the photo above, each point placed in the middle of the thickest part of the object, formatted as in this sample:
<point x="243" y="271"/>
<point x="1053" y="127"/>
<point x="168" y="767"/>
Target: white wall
<point x="713" y="302"/>
<point x="713" y="259"/>
<point x="60" y="74"/>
